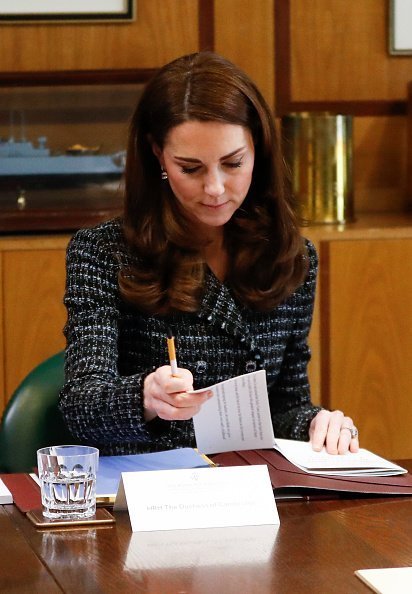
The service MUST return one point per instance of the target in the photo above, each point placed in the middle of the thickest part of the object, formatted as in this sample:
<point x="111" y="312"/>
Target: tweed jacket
<point x="112" y="347"/>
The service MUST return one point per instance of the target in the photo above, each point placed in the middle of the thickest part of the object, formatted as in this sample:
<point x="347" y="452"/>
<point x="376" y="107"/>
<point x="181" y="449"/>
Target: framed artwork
<point x="50" y="11"/>
<point x="400" y="27"/>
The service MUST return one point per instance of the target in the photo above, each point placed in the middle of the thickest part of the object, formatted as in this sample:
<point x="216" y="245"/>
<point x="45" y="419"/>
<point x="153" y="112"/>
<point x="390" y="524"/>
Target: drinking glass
<point x="67" y="476"/>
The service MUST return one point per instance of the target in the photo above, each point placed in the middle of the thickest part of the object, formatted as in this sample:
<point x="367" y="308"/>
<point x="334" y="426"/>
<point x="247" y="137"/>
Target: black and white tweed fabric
<point x="111" y="347"/>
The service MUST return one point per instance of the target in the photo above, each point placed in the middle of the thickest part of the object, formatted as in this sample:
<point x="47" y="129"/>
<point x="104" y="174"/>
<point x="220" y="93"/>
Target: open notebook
<point x="238" y="418"/>
<point x="363" y="463"/>
<point x="290" y="482"/>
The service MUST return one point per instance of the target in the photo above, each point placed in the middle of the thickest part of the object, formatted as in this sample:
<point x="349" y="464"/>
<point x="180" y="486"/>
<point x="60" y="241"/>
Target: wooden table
<point x="317" y="548"/>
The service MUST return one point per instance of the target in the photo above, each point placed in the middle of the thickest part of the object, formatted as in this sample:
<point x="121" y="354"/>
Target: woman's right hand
<point x="167" y="397"/>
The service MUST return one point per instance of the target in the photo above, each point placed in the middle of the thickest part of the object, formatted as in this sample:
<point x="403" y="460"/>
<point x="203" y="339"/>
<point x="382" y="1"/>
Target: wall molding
<point x="206" y="25"/>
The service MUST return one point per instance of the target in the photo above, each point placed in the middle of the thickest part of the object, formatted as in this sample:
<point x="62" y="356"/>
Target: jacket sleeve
<point x="100" y="406"/>
<point x="291" y="406"/>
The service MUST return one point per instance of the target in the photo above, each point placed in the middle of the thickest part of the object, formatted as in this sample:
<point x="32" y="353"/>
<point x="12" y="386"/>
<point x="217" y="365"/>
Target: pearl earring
<point x="164" y="174"/>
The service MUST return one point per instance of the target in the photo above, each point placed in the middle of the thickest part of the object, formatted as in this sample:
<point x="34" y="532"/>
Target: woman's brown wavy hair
<point x="266" y="251"/>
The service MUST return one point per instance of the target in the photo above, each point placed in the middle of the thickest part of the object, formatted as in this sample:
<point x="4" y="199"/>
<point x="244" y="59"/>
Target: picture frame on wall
<point x="400" y="27"/>
<point x="50" y="11"/>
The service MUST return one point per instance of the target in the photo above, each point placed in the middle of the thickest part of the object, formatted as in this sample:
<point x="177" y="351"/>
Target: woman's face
<point x="209" y="167"/>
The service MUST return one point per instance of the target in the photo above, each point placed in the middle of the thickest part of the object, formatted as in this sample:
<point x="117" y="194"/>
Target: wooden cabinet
<point x="32" y="315"/>
<point x="362" y="334"/>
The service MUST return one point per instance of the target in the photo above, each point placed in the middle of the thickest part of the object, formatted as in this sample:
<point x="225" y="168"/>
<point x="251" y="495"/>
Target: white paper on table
<point x="198" y="498"/>
<point x="391" y="580"/>
<point x="5" y="496"/>
<point x="362" y="463"/>
<point x="237" y="417"/>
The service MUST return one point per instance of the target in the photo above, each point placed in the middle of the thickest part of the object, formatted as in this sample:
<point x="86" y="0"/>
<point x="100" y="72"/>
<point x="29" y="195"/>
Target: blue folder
<point x="111" y="467"/>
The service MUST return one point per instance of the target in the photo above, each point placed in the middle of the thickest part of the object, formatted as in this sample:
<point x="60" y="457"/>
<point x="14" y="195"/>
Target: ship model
<point x="26" y="163"/>
<point x="22" y="159"/>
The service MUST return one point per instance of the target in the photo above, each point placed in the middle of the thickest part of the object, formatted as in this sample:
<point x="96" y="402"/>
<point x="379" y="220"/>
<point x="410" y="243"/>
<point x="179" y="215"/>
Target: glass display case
<point x="62" y="154"/>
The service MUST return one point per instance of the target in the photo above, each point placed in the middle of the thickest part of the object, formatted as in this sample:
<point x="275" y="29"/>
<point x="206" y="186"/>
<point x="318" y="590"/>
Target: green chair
<point x="31" y="419"/>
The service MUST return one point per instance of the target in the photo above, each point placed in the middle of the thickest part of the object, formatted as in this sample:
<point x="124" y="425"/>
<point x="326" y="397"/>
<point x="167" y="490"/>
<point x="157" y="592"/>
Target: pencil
<point x="172" y="352"/>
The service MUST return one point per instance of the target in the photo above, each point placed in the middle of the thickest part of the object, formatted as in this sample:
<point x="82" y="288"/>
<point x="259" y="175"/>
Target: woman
<point x="210" y="246"/>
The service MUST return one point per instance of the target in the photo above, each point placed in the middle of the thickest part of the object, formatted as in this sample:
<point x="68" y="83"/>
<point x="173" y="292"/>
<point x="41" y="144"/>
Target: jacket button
<point x="250" y="366"/>
<point x="201" y="366"/>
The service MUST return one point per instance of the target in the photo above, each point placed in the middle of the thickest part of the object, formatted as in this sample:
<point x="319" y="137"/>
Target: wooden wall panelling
<point x="367" y="339"/>
<point x="163" y="30"/>
<point x="409" y="147"/>
<point x="380" y="163"/>
<point x="244" y="33"/>
<point x="34" y="315"/>
<point x="337" y="58"/>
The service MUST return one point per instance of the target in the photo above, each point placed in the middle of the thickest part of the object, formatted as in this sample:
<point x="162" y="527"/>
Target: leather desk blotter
<point x="288" y="478"/>
<point x="26" y="493"/>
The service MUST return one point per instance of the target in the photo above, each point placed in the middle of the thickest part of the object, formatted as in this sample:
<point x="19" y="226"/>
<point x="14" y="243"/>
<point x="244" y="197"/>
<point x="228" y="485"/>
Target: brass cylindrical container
<point x="318" y="150"/>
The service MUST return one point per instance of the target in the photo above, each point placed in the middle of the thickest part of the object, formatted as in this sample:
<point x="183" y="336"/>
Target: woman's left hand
<point x="334" y="431"/>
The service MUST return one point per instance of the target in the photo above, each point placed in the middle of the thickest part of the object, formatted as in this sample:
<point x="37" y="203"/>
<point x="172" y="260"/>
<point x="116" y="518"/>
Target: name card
<point x="198" y="498"/>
